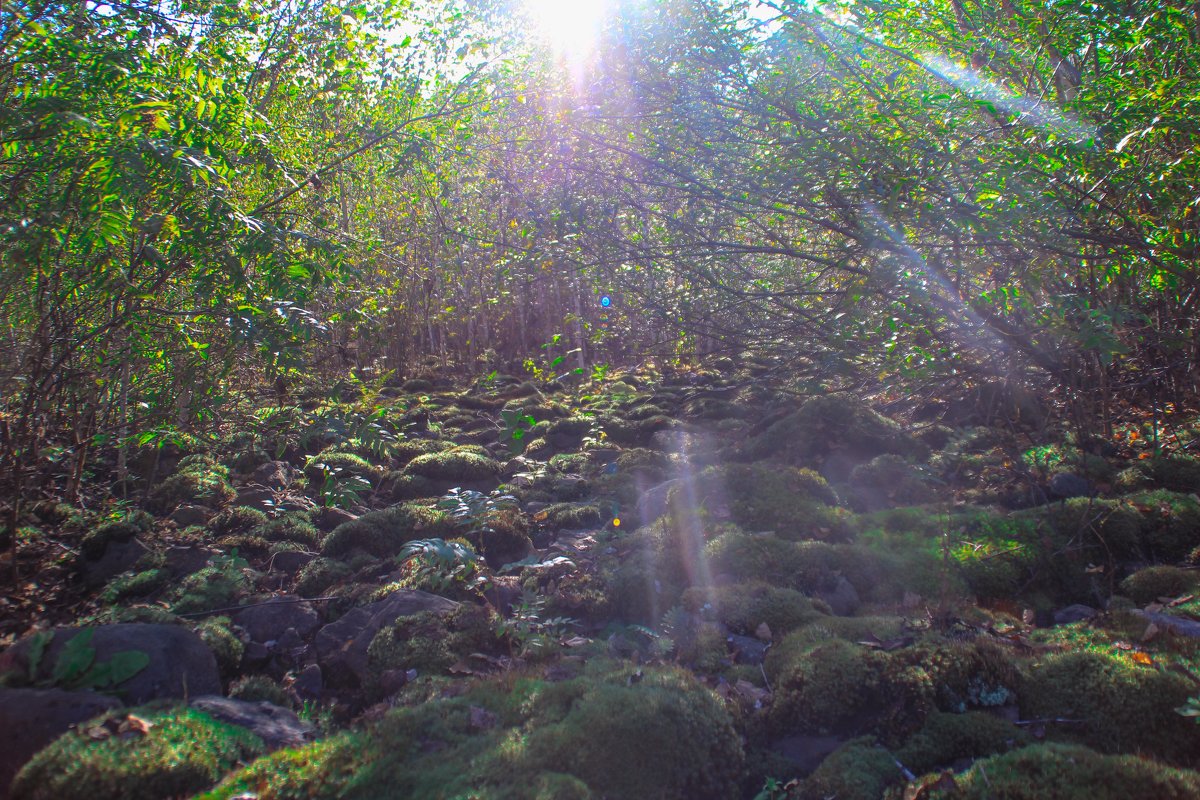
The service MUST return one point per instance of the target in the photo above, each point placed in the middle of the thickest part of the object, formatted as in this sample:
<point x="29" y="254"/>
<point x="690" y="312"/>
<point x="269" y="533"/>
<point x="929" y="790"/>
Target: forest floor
<point x="703" y="583"/>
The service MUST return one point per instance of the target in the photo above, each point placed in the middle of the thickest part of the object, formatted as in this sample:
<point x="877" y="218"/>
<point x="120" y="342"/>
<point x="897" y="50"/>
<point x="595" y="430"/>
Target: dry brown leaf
<point x="1151" y="631"/>
<point x="1142" y="658"/>
<point x="1178" y="601"/>
<point x="763" y="631"/>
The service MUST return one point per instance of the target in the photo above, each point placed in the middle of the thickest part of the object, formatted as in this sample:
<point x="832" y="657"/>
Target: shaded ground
<point x="691" y="585"/>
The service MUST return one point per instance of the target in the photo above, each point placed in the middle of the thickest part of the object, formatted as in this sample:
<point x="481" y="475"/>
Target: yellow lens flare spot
<point x="616" y="523"/>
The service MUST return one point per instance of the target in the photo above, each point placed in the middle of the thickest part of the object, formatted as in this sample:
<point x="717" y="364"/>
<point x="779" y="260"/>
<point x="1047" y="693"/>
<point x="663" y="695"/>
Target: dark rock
<point x="807" y="752"/>
<point x="183" y="561"/>
<point x="1177" y="625"/>
<point x="277" y="727"/>
<point x="342" y="645"/>
<point x="181" y="664"/>
<point x="290" y="561"/>
<point x="1065" y="485"/>
<point x="118" y="556"/>
<point x="188" y="514"/>
<point x="1074" y="613"/>
<point x="256" y="497"/>
<point x="309" y="683"/>
<point x="326" y="519"/>
<point x="274" y="475"/>
<point x="747" y="649"/>
<point x="30" y="719"/>
<point x="290" y="642"/>
<point x="255" y="655"/>
<point x="393" y="680"/>
<point x="842" y="599"/>
<point x="653" y="502"/>
<point x="268" y="621"/>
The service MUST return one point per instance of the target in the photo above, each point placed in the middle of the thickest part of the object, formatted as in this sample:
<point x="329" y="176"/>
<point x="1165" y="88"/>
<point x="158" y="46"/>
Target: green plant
<point x="338" y="488"/>
<point x="515" y="427"/>
<point x="526" y="630"/>
<point x="475" y="511"/>
<point x="442" y="564"/>
<point x="1191" y="708"/>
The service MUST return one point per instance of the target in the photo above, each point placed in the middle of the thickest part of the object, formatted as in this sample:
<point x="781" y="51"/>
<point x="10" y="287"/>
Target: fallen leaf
<point x="461" y="668"/>
<point x="1151" y="631"/>
<point x="1028" y="617"/>
<point x="763" y="631"/>
<point x="98" y="732"/>
<point x="1123" y="646"/>
<point x="576" y="641"/>
<point x="1178" y="601"/>
<point x="1142" y="658"/>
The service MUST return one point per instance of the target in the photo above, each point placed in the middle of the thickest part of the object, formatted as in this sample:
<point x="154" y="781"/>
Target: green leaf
<point x="37" y="649"/>
<point x="75" y="659"/>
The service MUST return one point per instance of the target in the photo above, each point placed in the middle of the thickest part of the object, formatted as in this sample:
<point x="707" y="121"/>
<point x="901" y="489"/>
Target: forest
<point x="599" y="399"/>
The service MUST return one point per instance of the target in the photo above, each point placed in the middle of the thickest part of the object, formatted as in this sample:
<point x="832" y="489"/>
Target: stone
<point x="326" y="519"/>
<point x="1074" y="613"/>
<point x="181" y="664"/>
<point x="256" y="654"/>
<point x="1065" y="485"/>
<point x="290" y="561"/>
<point x="1177" y="625"/>
<point x="653" y="502"/>
<point x="277" y="727"/>
<point x="747" y="649"/>
<point x="117" y="558"/>
<point x="30" y="719"/>
<point x="342" y="645"/>
<point x="310" y="682"/>
<point x="189" y="514"/>
<point x="807" y="752"/>
<point x="842" y="599"/>
<point x="274" y="475"/>
<point x="183" y="561"/>
<point x="268" y="621"/>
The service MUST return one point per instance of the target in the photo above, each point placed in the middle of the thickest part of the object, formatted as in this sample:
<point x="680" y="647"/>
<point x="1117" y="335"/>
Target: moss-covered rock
<point x="1121" y="706"/>
<point x="743" y="607"/>
<point x="237" y="519"/>
<point x="260" y="688"/>
<point x="1068" y="772"/>
<point x="571" y="516"/>
<point x="432" y="642"/>
<point x="832" y="425"/>
<point x="294" y="526"/>
<point x="622" y="736"/>
<point x="887" y="481"/>
<point x="341" y="464"/>
<point x="1153" y="583"/>
<point x="217" y="633"/>
<point x="96" y="542"/>
<point x="181" y="753"/>
<point x="384" y="533"/>
<point x="136" y="584"/>
<point x="216" y="586"/>
<point x="319" y="574"/>
<point x="947" y="737"/>
<point x="455" y="465"/>
<point x="858" y="770"/>
<point x="198" y="479"/>
<point x="794" y="503"/>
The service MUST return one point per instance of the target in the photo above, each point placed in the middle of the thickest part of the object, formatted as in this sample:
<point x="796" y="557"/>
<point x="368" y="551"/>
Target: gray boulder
<point x="181" y="664"/>
<point x="342" y="645"/>
<point x="277" y="727"/>
<point x="270" y="620"/>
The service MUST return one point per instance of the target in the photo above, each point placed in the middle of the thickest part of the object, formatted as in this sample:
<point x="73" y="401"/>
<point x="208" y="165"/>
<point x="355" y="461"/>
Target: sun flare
<point x="569" y="27"/>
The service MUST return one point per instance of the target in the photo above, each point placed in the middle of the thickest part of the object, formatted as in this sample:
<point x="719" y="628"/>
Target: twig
<point x="252" y="605"/>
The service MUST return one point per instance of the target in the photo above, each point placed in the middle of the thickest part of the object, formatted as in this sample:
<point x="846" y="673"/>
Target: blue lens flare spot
<point x="606" y="301"/>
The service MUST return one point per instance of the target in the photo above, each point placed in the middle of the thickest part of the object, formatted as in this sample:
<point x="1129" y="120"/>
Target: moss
<point x="198" y="479"/>
<point x="406" y="450"/>
<point x="294" y="526"/>
<point x="384" y="533"/>
<point x="1152" y="583"/>
<point x="1176" y="473"/>
<point x="858" y="770"/>
<point x="259" y="688"/>
<point x="398" y="487"/>
<point x="506" y="538"/>
<point x="656" y="734"/>
<point x="744" y="606"/>
<point x="794" y="503"/>
<point x="1068" y="773"/>
<point x="340" y="463"/>
<point x="318" y="575"/>
<point x="663" y="736"/>
<point x="644" y="464"/>
<point x="217" y="633"/>
<point x="238" y="519"/>
<point x="1124" y="707"/>
<point x="245" y="543"/>
<point x="96" y="542"/>
<point x="1171" y="523"/>
<point x="417" y="385"/>
<point x="636" y="433"/>
<point x="456" y="465"/>
<point x="209" y="588"/>
<point x="825" y="688"/>
<point x="183" y="753"/>
<point x="947" y="737"/>
<point x="432" y="642"/>
<point x="137" y="584"/>
<point x="886" y="481"/>
<point x="829" y="424"/>
<point x="570" y="516"/>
